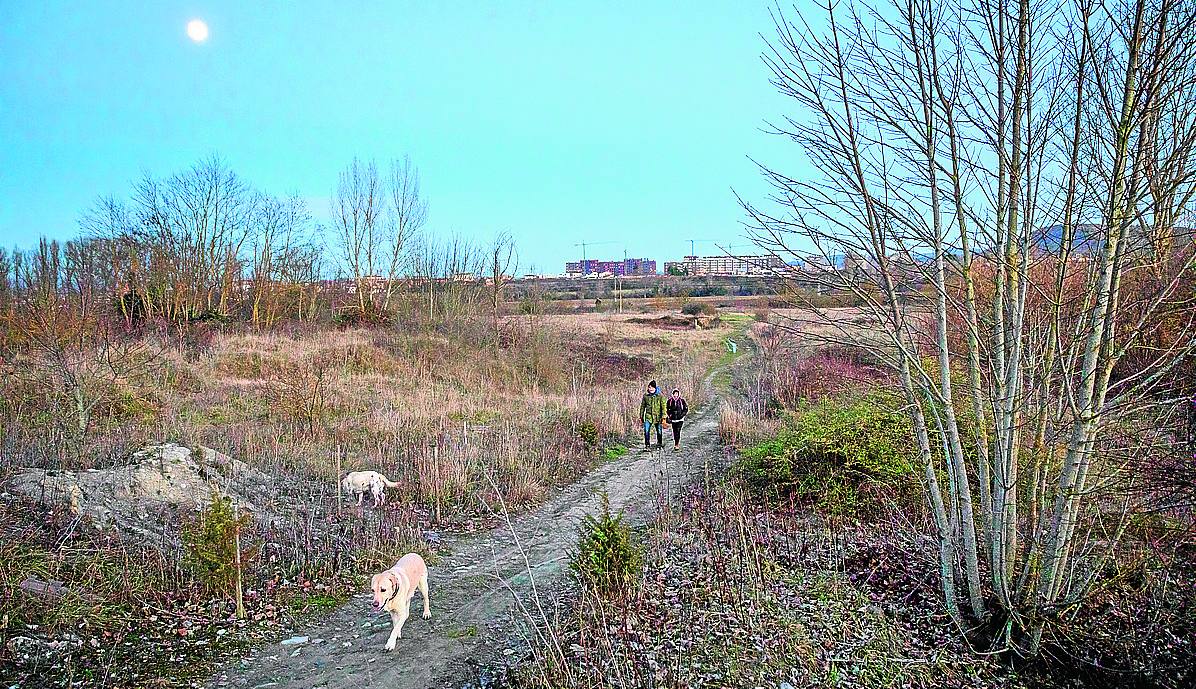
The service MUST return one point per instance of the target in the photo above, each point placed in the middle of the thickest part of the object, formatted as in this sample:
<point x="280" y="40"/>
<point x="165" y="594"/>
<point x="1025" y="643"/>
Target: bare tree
<point x="204" y="242"/>
<point x="407" y="214"/>
<point x="999" y="177"/>
<point x="374" y="220"/>
<point x="280" y="249"/>
<point x="503" y="261"/>
<point x="357" y="209"/>
<point x="176" y="251"/>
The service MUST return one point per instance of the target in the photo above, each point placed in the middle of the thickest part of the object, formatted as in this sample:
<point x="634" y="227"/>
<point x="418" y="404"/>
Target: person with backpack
<point x="676" y="409"/>
<point x="652" y="413"/>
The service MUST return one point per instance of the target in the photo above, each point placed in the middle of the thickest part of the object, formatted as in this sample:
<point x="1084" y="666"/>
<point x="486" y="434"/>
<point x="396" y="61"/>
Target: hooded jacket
<point x="652" y="407"/>
<point x="677" y="409"/>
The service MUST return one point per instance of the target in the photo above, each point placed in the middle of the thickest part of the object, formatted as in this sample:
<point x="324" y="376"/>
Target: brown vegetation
<point x="1004" y="189"/>
<point x="444" y="417"/>
<point x="130" y="337"/>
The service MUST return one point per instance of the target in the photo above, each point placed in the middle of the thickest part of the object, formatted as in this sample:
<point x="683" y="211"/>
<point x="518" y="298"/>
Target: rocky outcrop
<point x="144" y="497"/>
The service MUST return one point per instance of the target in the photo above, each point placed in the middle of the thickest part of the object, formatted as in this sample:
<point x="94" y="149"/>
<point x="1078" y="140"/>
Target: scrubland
<point x="464" y="421"/>
<point x="812" y="561"/>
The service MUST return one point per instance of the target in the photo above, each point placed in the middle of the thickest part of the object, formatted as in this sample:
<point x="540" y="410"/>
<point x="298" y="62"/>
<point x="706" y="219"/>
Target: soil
<point x="143" y="499"/>
<point x="486" y="590"/>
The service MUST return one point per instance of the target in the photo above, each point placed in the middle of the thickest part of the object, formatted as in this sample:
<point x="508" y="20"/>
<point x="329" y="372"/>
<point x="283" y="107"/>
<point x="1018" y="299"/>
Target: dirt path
<point x="475" y="589"/>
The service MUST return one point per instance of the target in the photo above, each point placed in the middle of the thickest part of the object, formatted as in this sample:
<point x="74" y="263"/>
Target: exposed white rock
<point x="143" y="496"/>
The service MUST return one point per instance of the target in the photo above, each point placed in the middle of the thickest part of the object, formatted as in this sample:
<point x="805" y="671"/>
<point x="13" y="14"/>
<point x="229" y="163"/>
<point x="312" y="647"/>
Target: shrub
<point x="301" y="393"/>
<point x="699" y="308"/>
<point x="826" y="373"/>
<point x="607" y="558"/>
<point x="831" y="452"/>
<point x="354" y="317"/>
<point x="731" y="423"/>
<point x="588" y="432"/>
<point x="613" y="452"/>
<point x="194" y="340"/>
<point x="210" y="545"/>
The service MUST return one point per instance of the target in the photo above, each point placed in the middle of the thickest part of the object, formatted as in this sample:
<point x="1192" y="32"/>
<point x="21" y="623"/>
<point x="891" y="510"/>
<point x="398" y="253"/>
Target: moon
<point x="197" y="30"/>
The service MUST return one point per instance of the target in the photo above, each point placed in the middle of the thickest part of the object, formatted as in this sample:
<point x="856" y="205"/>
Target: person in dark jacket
<point x="676" y="408"/>
<point x="652" y="413"/>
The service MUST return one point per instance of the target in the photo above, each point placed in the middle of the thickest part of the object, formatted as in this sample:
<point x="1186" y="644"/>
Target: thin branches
<point x="994" y="191"/>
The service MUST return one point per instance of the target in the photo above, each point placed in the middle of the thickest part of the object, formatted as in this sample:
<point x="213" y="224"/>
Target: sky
<point x="558" y="122"/>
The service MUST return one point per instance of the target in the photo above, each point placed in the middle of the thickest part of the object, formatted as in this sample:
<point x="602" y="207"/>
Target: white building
<point x="766" y="264"/>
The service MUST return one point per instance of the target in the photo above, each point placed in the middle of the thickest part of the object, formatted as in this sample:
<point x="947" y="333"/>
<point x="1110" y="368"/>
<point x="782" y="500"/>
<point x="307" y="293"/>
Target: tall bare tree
<point x="280" y="249"/>
<point x="374" y="220"/>
<point x="503" y="261"/>
<point x="408" y="212"/>
<point x="999" y="173"/>
<point x="183" y="246"/>
<point x="357" y="210"/>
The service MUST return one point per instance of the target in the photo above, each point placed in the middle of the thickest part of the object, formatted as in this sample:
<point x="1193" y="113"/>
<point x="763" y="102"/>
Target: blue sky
<point x="556" y="121"/>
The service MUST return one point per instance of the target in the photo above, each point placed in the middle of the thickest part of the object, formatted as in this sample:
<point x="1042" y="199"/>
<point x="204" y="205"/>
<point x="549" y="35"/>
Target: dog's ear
<point x="394" y="580"/>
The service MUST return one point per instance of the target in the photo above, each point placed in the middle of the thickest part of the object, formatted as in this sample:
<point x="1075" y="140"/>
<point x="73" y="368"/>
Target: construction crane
<point x="583" y="246"/>
<point x="727" y="249"/>
<point x="691" y="244"/>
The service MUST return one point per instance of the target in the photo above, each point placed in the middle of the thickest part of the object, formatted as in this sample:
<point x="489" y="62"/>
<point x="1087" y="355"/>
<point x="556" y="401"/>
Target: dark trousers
<point x="648" y="433"/>
<point x="676" y="431"/>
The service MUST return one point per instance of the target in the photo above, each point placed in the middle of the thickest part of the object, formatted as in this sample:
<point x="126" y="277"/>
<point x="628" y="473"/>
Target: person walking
<point x="652" y="413"/>
<point x="676" y="409"/>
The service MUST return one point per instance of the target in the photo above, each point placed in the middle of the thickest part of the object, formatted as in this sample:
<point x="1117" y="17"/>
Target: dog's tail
<point x="387" y="482"/>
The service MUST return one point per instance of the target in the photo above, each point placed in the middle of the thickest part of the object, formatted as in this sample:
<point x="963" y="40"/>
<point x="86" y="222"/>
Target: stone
<point x="143" y="497"/>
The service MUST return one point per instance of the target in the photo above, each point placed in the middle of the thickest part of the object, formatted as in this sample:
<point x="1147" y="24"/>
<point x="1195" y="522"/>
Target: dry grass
<point x="734" y="595"/>
<point x="630" y="337"/>
<point x="441" y="413"/>
<point x="462" y="425"/>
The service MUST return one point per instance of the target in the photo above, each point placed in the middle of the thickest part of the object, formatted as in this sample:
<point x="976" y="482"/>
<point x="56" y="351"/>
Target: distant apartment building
<point x="726" y="265"/>
<point x="628" y="266"/>
<point x="581" y="267"/>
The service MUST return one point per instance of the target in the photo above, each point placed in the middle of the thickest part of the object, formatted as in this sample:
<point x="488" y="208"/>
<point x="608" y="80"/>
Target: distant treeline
<point x="205" y="245"/>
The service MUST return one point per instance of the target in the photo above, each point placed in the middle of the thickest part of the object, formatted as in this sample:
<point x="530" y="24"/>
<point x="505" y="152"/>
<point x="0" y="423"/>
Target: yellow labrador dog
<point x="361" y="482"/>
<point x="394" y="588"/>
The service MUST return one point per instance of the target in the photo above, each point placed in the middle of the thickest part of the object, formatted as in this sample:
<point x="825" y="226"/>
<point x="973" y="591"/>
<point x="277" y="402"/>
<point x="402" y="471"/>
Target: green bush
<point x="607" y="557"/>
<point x="209" y="544"/>
<point x="588" y="432"/>
<point x="613" y="452"/>
<point x="833" y="452"/>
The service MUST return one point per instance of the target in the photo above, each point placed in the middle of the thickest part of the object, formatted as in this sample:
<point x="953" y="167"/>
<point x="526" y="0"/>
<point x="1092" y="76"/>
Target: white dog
<point x="361" y="482"/>
<point x="394" y="588"/>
